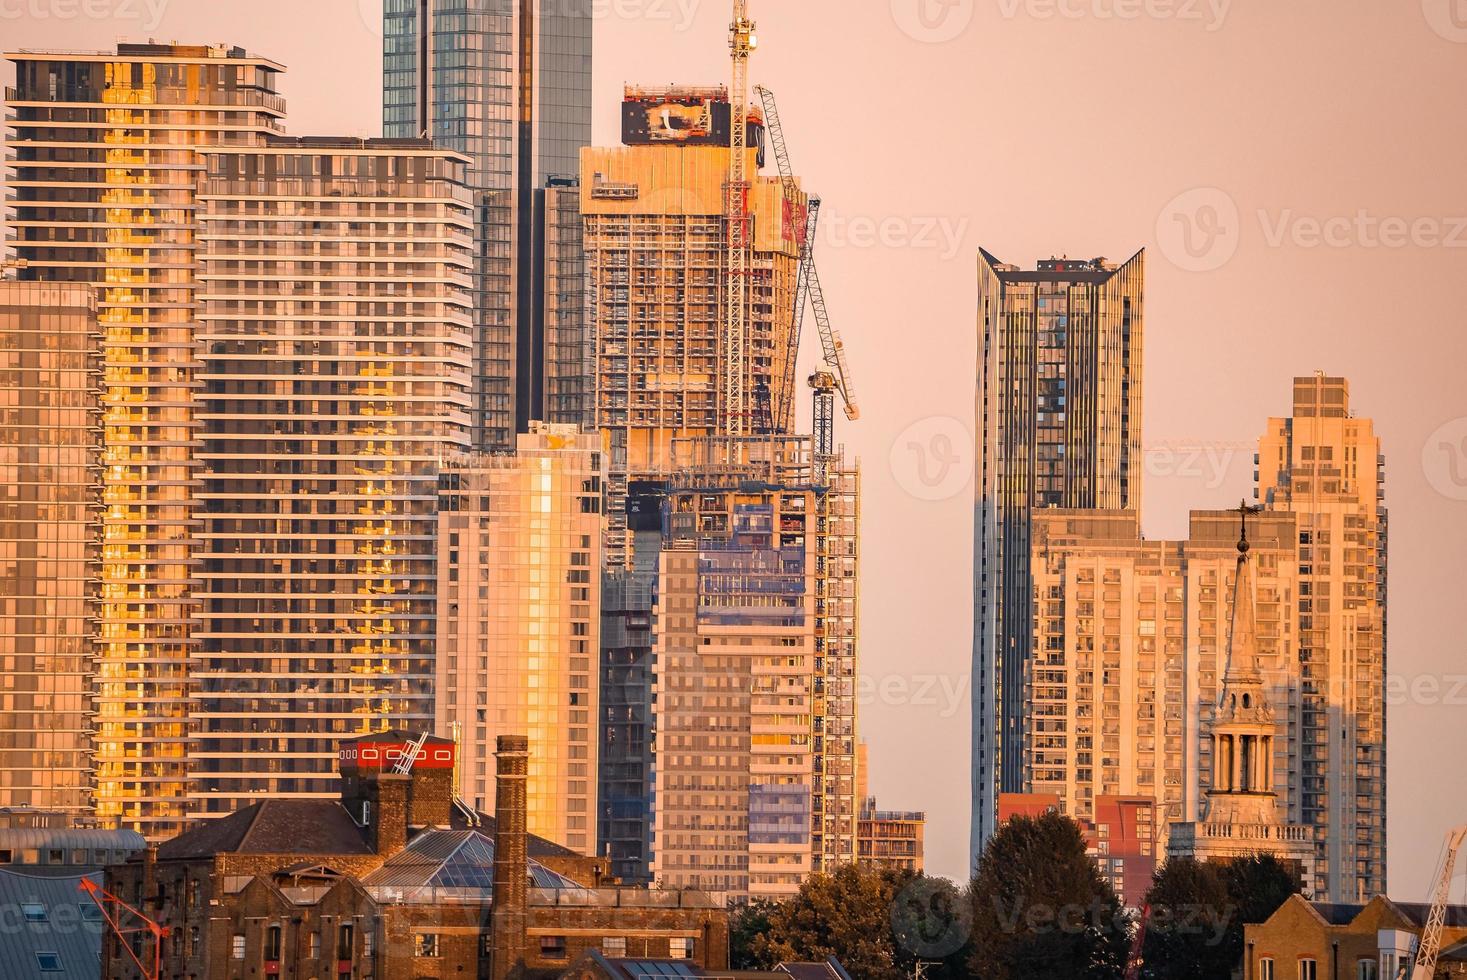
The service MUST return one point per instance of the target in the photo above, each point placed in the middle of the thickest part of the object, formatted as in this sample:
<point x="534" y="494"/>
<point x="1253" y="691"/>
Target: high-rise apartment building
<point x="655" y="254"/>
<point x="1325" y="467"/>
<point x="1059" y="409"/>
<point x="519" y="559"/>
<point x="509" y="86"/>
<point x="334" y="328"/>
<point x="755" y="761"/>
<point x="1130" y="637"/>
<point x="50" y="545"/>
<point x="104" y="175"/>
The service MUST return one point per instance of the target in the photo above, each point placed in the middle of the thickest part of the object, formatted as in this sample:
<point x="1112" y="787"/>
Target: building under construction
<point x="656" y="252"/>
<point x="754" y="673"/>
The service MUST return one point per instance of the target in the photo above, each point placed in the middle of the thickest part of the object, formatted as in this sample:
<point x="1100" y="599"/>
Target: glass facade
<point x="508" y="84"/>
<point x="519" y="545"/>
<point x="106" y="158"/>
<point x="334" y="325"/>
<point x="1059" y="408"/>
<point x="50" y="554"/>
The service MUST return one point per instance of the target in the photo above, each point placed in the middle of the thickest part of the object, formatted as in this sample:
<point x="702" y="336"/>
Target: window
<point x="314" y="948"/>
<point x="679" y="948"/>
<point x="345" y="941"/>
<point x="237" y="946"/>
<point x="426" y="944"/>
<point x="614" y="946"/>
<point x="1265" y="969"/>
<point x="90" y="912"/>
<point x="48" y="962"/>
<point x="1308" y="970"/>
<point x="1365" y="970"/>
<point x="272" y="944"/>
<point x="33" y="911"/>
<point x="552" y="947"/>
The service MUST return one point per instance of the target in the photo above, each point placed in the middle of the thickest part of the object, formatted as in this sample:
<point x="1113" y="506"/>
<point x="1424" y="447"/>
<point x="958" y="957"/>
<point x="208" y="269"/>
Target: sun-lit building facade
<point x="1324" y="465"/>
<point x="519" y="556"/>
<point x="105" y="162"/>
<point x="334" y="327"/>
<point x="50" y="548"/>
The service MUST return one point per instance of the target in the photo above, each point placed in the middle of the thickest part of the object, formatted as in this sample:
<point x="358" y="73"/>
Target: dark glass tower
<point x="1059" y="405"/>
<point x="508" y="83"/>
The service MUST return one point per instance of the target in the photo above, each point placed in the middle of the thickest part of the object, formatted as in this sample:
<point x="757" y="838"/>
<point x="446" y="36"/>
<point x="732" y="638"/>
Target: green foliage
<point x="1199" y="910"/>
<point x="1041" y="909"/>
<point x="745" y="925"/>
<point x="876" y="922"/>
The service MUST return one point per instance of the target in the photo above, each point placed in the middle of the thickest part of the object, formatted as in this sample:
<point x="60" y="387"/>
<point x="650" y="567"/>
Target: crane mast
<point x="1431" y="936"/>
<point x="736" y="416"/>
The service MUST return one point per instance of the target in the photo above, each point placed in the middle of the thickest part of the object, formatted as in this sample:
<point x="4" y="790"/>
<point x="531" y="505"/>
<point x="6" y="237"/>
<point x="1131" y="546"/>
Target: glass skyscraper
<point x="1059" y="405"/>
<point x="508" y="84"/>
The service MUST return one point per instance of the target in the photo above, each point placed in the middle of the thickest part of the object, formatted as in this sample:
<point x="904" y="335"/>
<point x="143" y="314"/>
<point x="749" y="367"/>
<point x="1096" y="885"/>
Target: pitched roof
<point x="1337" y="914"/>
<point x="1417" y="912"/>
<point x="829" y="970"/>
<point x="54" y="918"/>
<point x="488" y="826"/>
<point x="273" y="827"/>
<point x="452" y="859"/>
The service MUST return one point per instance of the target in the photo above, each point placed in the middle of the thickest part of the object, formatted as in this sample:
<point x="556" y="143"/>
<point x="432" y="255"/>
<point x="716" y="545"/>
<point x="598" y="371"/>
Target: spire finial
<point x="1243" y="511"/>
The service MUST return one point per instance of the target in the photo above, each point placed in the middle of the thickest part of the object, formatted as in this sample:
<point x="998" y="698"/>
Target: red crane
<point x="101" y="897"/>
<point x="1133" y="962"/>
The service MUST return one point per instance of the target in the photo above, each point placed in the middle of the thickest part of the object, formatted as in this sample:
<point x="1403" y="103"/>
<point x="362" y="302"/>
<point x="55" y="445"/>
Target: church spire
<point x="1242" y="652"/>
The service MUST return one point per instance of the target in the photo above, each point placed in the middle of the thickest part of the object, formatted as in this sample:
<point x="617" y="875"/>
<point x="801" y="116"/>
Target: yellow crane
<point x="742" y="41"/>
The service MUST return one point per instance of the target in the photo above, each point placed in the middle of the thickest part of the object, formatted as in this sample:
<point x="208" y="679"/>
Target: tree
<point x="1041" y="908"/>
<point x="877" y="922"/>
<point x="1199" y="910"/>
<point x="747" y="924"/>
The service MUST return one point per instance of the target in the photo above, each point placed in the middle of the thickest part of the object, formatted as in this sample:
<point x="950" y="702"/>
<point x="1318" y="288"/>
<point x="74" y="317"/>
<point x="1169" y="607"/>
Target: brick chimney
<point x="510" y="912"/>
<point x="390" y="807"/>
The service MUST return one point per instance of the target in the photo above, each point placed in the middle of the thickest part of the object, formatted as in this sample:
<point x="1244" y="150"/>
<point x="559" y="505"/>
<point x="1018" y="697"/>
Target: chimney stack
<point x="511" y="859"/>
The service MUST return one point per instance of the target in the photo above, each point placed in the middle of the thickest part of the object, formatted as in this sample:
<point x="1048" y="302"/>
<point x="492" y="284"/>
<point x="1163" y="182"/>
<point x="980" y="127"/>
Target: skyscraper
<point x="754" y="673"/>
<point x="507" y="83"/>
<point x="50" y="548"/>
<point x="334" y="320"/>
<point x="655" y="258"/>
<point x="1325" y="466"/>
<point x="519" y="559"/>
<point x="1059" y="408"/>
<point x="106" y="162"/>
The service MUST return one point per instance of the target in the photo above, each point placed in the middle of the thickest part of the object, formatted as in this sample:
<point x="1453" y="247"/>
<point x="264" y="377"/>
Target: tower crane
<point x="102" y="898"/>
<point x="1431" y="936"/>
<point x="835" y="379"/>
<point x="741" y="41"/>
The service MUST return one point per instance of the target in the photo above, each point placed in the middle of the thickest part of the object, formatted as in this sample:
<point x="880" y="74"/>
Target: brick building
<point x="397" y="880"/>
<point x="1318" y="940"/>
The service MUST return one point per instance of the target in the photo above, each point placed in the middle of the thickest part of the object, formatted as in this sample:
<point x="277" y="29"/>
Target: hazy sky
<point x="1294" y="167"/>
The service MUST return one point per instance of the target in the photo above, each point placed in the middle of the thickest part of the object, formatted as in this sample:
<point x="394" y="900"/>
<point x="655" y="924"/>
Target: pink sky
<point x="1313" y="148"/>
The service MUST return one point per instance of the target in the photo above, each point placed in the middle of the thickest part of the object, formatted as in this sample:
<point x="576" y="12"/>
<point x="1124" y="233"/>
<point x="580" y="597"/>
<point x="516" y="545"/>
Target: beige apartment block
<point x="655" y="257"/>
<point x="1129" y="644"/>
<point x="104" y="167"/>
<point x="756" y="762"/>
<point x="50" y="549"/>
<point x="334" y="326"/>
<point x="1324" y="466"/>
<point x="519" y="546"/>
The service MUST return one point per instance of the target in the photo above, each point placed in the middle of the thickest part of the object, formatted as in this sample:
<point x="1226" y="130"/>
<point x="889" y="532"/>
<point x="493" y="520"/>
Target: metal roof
<point x="68" y="838"/>
<point x="452" y="859"/>
<point x="55" y="917"/>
